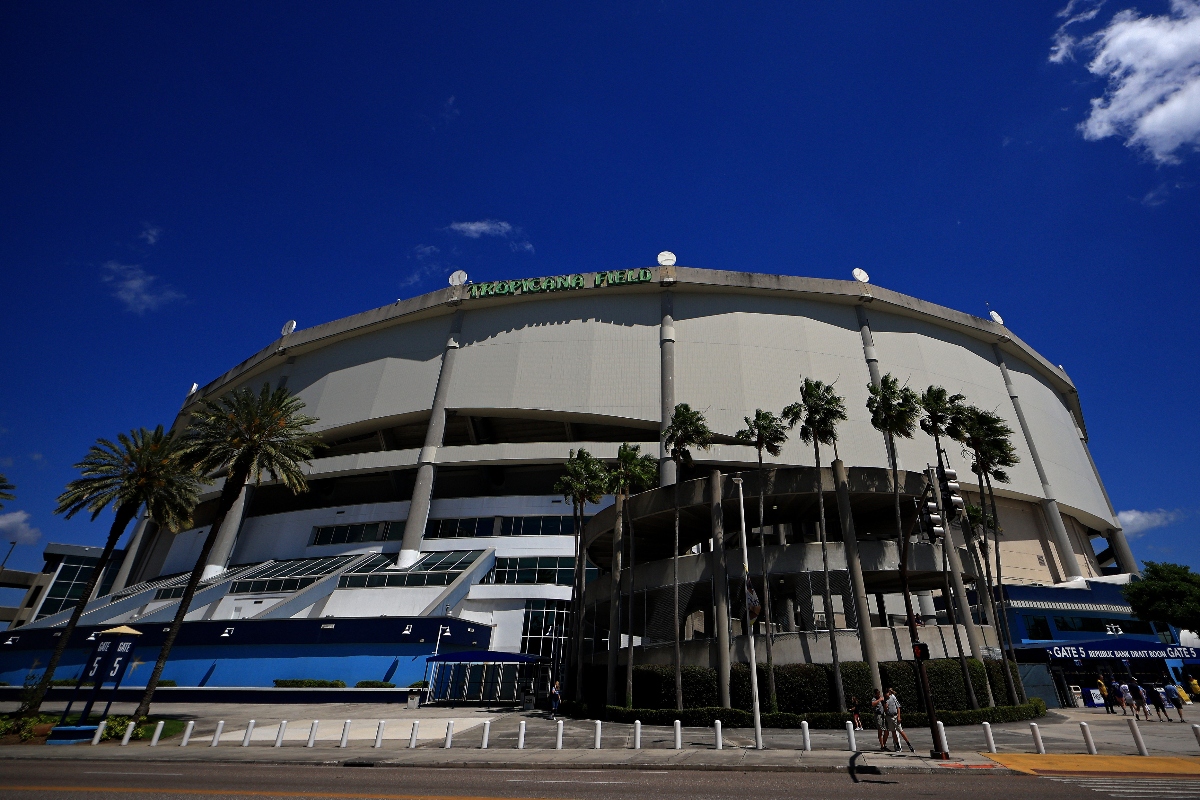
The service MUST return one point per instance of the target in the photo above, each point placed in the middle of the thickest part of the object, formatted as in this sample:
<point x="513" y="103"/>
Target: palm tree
<point x="6" y="490"/>
<point x="688" y="429"/>
<point x="894" y="411"/>
<point x="940" y="409"/>
<point x="241" y="435"/>
<point x="984" y="436"/>
<point x="819" y="411"/>
<point x="765" y="432"/>
<point x="632" y="472"/>
<point x="584" y="482"/>
<point x="142" y="469"/>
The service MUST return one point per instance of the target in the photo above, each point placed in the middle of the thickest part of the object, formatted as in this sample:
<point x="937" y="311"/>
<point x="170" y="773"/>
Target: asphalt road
<point x="99" y="780"/>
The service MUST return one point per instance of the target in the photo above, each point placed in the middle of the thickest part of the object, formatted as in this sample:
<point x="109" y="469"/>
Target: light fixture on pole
<point x="758" y="742"/>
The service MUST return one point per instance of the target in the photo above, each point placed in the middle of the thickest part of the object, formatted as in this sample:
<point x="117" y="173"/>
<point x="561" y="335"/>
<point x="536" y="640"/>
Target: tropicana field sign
<point x="559" y="283"/>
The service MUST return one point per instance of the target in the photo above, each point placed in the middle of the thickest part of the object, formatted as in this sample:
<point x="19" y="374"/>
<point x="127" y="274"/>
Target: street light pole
<point x="758" y="742"/>
<point x="12" y="546"/>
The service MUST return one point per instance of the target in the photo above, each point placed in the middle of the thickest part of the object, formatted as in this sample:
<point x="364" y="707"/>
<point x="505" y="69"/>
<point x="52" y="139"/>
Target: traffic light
<point x="931" y="519"/>
<point x="920" y="651"/>
<point x="952" y="501"/>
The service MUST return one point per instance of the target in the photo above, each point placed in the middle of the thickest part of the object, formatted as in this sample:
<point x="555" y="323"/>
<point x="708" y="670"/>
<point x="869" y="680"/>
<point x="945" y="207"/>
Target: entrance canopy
<point x="1120" y="647"/>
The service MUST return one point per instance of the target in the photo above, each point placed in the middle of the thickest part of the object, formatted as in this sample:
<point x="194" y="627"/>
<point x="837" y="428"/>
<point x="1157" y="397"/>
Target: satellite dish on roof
<point x="999" y="320"/>
<point x="666" y="259"/>
<point x="288" y="327"/>
<point x="860" y="275"/>
<point x="458" y="278"/>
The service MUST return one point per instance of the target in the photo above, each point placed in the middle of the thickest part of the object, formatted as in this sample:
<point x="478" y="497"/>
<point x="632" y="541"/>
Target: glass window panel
<point x="371" y="532"/>
<point x="356" y="533"/>
<point x="485" y="526"/>
<point x="547" y="575"/>
<point x="508" y="527"/>
<point x="551" y="526"/>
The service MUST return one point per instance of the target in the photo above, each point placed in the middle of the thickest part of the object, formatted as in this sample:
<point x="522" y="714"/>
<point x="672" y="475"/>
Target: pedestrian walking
<point x="1127" y="700"/>
<point x="1118" y="699"/>
<point x="1103" y="689"/>
<point x="858" y="726"/>
<point x="894" y="724"/>
<point x="555" y="699"/>
<point x="1160" y="707"/>
<point x="1175" y="699"/>
<point x="879" y="708"/>
<point x="1141" y="700"/>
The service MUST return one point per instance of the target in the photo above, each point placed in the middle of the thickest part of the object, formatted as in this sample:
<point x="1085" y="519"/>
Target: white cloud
<point x="1075" y="12"/>
<point x="1137" y="522"/>
<point x="151" y="233"/>
<point x="135" y="287"/>
<point x="1152" y="64"/>
<point x="484" y="227"/>
<point x="15" y="527"/>
<point x="424" y="251"/>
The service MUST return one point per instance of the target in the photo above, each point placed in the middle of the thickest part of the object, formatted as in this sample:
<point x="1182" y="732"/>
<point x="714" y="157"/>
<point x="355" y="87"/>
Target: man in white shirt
<point x="893" y="721"/>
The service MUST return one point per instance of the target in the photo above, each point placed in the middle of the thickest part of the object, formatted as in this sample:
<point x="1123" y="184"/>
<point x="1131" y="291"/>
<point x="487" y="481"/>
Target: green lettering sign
<point x="559" y="283"/>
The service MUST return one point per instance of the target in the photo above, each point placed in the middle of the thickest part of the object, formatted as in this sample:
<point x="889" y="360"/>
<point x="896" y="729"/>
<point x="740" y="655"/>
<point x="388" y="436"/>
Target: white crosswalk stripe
<point x="1136" y="787"/>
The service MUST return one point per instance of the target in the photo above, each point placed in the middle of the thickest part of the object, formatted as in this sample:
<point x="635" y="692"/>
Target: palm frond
<point x="688" y="429"/>
<point x="632" y="472"/>
<point x="941" y="408"/>
<point x="817" y="413"/>
<point x="6" y="490"/>
<point x="894" y="408"/>
<point x="764" y="432"/>
<point x="586" y="478"/>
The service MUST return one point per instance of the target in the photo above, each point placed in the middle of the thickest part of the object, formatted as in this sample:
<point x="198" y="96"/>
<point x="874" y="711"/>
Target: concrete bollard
<point x="312" y="734"/>
<point x="487" y="732"/>
<point x="1037" y="739"/>
<point x="279" y="735"/>
<point x="412" y="736"/>
<point x="1195" y="732"/>
<point x="216" y="740"/>
<point x="521" y="736"/>
<point x="449" y="735"/>
<point x="1137" y="737"/>
<point x="379" y="734"/>
<point x="804" y="733"/>
<point x="720" y="738"/>
<point x="678" y="736"/>
<point x="157" y="733"/>
<point x="187" y="733"/>
<point x="1087" y="738"/>
<point x="942" y="735"/>
<point x="637" y="734"/>
<point x="987" y="735"/>
<point x="104" y="724"/>
<point x="345" y="740"/>
<point x="249" y="733"/>
<point x="850" y="743"/>
<point x="558" y="737"/>
<point x="596" y="745"/>
<point x="128" y="732"/>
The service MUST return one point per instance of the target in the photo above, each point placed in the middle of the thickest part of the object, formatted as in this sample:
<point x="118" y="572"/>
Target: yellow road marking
<point x="1033" y="764"/>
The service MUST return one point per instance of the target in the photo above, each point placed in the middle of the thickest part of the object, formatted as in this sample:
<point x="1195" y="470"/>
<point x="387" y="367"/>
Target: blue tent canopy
<point x="484" y="657"/>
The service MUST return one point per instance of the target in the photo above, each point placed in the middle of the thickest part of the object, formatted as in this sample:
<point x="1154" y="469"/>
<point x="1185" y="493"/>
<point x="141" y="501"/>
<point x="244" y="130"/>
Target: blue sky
<point x="180" y="179"/>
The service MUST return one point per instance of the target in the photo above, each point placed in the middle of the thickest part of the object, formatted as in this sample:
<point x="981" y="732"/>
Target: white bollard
<point x="720" y="738"/>
<point x="312" y="734"/>
<point x="449" y="734"/>
<point x="216" y="740"/>
<point x="379" y="734"/>
<point x="558" y="738"/>
<point x="412" y="736"/>
<point x="987" y="735"/>
<point x="249" y="733"/>
<point x="157" y="733"/>
<point x="596" y="745"/>
<point x="1037" y="739"/>
<point x="1137" y="737"/>
<point x="637" y="734"/>
<point x="853" y="745"/>
<point x="678" y="736"/>
<point x="487" y="732"/>
<point x="804" y="733"/>
<point x="187" y="733"/>
<point x="104" y="724"/>
<point x="345" y="734"/>
<point x="1195" y="732"/>
<point x="942" y="735"/>
<point x="128" y="732"/>
<point x="279" y="735"/>
<point x="1087" y="738"/>
<point x="521" y="736"/>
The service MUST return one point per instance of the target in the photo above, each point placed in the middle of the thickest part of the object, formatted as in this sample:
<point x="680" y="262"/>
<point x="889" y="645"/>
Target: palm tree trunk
<point x="996" y="617"/>
<point x="675" y="604"/>
<point x="124" y="514"/>
<point x="1012" y="653"/>
<point x="629" y="652"/>
<point x="234" y="482"/>
<point x="772" y="702"/>
<point x="829" y="616"/>
<point x="614" y="604"/>
<point x="576" y="662"/>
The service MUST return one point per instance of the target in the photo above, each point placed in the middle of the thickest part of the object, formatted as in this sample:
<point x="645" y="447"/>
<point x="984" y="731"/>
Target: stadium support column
<point x="868" y="342"/>
<point x="866" y="635"/>
<point x="418" y="510"/>
<point x="131" y="554"/>
<point x="222" y="548"/>
<point x="1062" y="542"/>
<point x="1121" y="552"/>
<point x="666" y="467"/>
<point x="720" y="586"/>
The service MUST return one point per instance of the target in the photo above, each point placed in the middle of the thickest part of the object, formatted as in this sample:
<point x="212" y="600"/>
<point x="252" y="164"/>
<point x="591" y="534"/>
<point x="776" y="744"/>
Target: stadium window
<point x="1037" y="628"/>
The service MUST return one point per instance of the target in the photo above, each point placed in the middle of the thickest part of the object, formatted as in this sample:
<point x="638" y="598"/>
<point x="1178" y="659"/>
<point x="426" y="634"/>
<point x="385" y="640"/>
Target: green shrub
<point x="374" y="685"/>
<point x="166" y="683"/>
<point x="654" y="686"/>
<point x="901" y="676"/>
<point x="419" y="685"/>
<point x="946" y="684"/>
<point x="308" y="683"/>
<point x="856" y="682"/>
<point x="115" y="729"/>
<point x="800" y="688"/>
<point x="995" y="671"/>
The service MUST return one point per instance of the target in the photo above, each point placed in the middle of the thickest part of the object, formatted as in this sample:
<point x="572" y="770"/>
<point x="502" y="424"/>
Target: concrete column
<point x="928" y="609"/>
<point x="418" y="510"/>
<point x="1120" y="547"/>
<point x="868" y="341"/>
<point x="961" y="601"/>
<point x="1062" y="542"/>
<point x="614" y="606"/>
<point x="666" y="467"/>
<point x="131" y="553"/>
<point x="720" y="586"/>
<point x="854" y="566"/>
<point x="218" y="557"/>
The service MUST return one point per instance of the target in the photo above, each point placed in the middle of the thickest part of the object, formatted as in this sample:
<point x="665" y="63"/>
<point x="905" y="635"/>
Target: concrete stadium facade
<point x="447" y="418"/>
